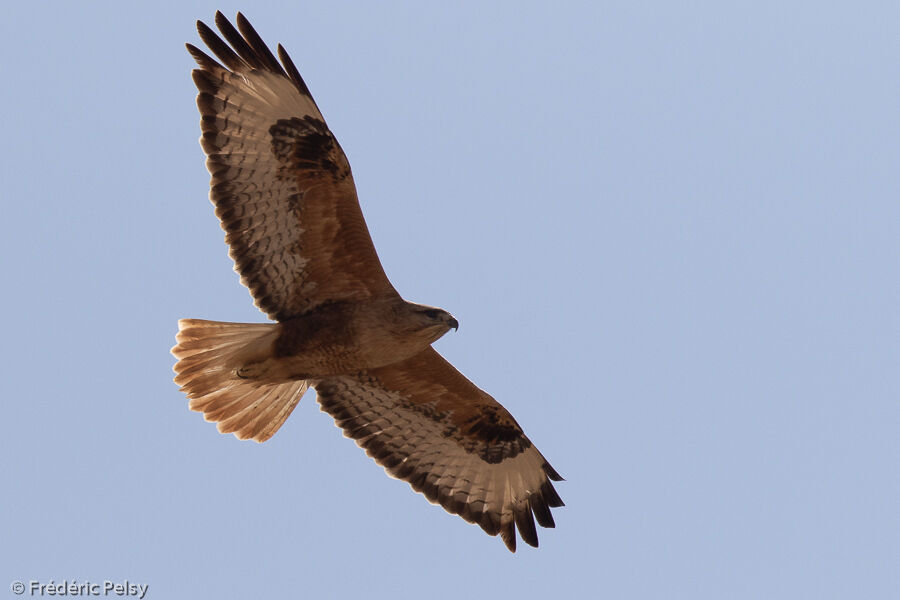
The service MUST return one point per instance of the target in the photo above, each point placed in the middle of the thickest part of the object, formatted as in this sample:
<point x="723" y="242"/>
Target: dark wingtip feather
<point x="205" y="61"/>
<point x="220" y="18"/>
<point x="508" y="535"/>
<point x="247" y="50"/>
<point x="525" y="523"/>
<point x="258" y="45"/>
<point x="292" y="70"/>
<point x="542" y="511"/>
<point x="195" y="52"/>
<point x="237" y="41"/>
<point x="219" y="47"/>
<point x="550" y="496"/>
<point x="551" y="473"/>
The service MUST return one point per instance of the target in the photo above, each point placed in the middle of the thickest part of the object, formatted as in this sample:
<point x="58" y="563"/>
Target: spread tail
<point x="209" y="355"/>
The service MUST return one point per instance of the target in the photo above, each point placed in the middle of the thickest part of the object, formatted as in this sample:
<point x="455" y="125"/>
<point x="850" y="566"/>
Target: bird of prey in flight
<point x="284" y="194"/>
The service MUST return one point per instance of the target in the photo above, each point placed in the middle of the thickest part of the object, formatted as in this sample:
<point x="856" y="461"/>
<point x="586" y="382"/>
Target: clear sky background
<point x="669" y="232"/>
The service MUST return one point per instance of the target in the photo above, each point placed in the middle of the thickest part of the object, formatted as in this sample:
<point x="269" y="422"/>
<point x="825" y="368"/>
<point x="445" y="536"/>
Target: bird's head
<point x="430" y="321"/>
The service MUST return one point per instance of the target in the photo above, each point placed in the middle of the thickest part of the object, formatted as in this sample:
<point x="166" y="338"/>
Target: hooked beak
<point x="453" y="323"/>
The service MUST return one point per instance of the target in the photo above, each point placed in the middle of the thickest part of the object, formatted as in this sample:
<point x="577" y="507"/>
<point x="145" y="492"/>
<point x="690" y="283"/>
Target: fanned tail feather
<point x="209" y="355"/>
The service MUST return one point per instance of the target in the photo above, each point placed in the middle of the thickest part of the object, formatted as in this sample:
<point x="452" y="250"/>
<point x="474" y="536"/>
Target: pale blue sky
<point x="670" y="234"/>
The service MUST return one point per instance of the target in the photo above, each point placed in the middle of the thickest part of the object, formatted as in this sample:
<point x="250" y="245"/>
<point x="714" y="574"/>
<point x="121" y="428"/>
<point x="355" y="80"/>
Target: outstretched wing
<point x="281" y="184"/>
<point x="425" y="423"/>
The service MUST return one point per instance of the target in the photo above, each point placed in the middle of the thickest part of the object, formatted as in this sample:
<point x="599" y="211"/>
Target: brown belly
<point x="328" y="341"/>
<point x="311" y="365"/>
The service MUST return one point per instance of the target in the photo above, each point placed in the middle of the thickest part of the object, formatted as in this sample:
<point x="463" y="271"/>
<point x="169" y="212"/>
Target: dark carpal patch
<point x="495" y="439"/>
<point x="306" y="143"/>
<point x="485" y="435"/>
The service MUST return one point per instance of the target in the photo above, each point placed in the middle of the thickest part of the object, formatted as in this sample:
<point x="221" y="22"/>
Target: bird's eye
<point x="431" y="313"/>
